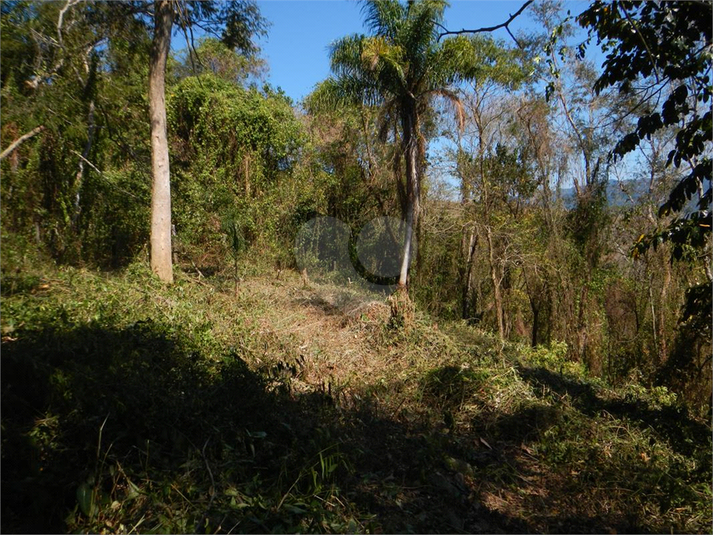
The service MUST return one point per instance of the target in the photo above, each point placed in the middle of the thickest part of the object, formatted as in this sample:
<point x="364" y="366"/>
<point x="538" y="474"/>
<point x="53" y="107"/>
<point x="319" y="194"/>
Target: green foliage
<point x="553" y="358"/>
<point x="132" y="410"/>
<point x="588" y="219"/>
<point x="451" y="386"/>
<point x="668" y="46"/>
<point x="236" y="232"/>
<point x="403" y="56"/>
<point x="18" y="47"/>
<point x="502" y="173"/>
<point x="82" y="76"/>
<point x="403" y="67"/>
<point x="79" y="185"/>
<point x="235" y="152"/>
<point x="129" y="406"/>
<point x="213" y="56"/>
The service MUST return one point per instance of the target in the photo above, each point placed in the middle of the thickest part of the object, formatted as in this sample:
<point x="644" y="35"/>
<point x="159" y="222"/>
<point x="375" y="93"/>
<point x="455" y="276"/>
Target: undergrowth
<point x="129" y="406"/>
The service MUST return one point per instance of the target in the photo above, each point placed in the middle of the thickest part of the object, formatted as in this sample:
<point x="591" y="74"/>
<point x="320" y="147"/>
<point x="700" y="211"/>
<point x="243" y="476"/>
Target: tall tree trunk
<point x="663" y="346"/>
<point x="161" y="262"/>
<point x="582" y="327"/>
<point x="413" y="190"/>
<point x="246" y="172"/>
<point x="535" y="321"/>
<point x="534" y="295"/>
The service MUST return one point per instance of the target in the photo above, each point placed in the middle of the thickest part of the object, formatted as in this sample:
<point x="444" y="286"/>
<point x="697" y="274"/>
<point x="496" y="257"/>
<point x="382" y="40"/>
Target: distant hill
<point x="615" y="194"/>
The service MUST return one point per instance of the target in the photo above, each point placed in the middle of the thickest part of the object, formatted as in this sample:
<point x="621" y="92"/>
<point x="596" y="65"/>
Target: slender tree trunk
<point x="237" y="279"/>
<point x="79" y="178"/>
<point x="534" y="295"/>
<point x="413" y="191"/>
<point x="497" y="280"/>
<point x="400" y="188"/>
<point x="468" y="281"/>
<point x="161" y="262"/>
<point x="246" y="171"/>
<point x="535" y="321"/>
<point x="654" y="327"/>
<point x="582" y="331"/>
<point x="663" y="346"/>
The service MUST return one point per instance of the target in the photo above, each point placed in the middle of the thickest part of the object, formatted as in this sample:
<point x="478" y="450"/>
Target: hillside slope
<point x="132" y="407"/>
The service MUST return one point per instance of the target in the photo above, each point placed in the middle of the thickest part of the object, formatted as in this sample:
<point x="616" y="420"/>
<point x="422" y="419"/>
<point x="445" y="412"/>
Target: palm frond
<point x="385" y="61"/>
<point x="346" y="55"/>
<point x="403" y="58"/>
<point x="383" y="17"/>
<point x="421" y="30"/>
<point x="336" y="93"/>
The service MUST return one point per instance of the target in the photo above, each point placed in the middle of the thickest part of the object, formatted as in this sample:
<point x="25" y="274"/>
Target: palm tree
<point x="401" y="67"/>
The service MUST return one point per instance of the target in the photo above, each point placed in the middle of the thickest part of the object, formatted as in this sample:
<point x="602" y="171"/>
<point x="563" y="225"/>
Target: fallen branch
<point x="4" y="154"/>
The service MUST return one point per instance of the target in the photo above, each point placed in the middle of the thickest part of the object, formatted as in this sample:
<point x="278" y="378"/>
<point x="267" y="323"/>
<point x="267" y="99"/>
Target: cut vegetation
<point x="129" y="406"/>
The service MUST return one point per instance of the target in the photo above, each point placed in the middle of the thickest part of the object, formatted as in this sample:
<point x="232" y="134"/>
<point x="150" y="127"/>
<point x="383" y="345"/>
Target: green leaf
<point x="85" y="498"/>
<point x="133" y="492"/>
<point x="294" y="509"/>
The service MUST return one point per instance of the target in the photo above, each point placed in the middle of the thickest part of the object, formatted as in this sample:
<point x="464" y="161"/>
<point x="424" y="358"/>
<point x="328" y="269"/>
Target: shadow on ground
<point x="138" y="415"/>
<point x="167" y="438"/>
<point x="76" y="398"/>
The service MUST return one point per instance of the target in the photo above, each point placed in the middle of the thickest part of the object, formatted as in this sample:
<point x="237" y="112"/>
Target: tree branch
<point x="101" y="174"/>
<point x="652" y="57"/>
<point x="60" y="19"/>
<point x="491" y="28"/>
<point x="90" y="164"/>
<point x="4" y="154"/>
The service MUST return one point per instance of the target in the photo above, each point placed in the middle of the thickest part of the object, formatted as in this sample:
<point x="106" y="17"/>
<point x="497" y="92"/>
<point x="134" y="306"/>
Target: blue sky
<point x="296" y="48"/>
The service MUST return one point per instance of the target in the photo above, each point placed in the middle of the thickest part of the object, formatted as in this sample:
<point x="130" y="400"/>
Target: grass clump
<point x="451" y="385"/>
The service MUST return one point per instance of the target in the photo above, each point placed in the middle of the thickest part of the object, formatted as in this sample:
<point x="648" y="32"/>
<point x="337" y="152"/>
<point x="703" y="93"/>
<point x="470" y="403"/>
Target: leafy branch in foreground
<point x="668" y="44"/>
